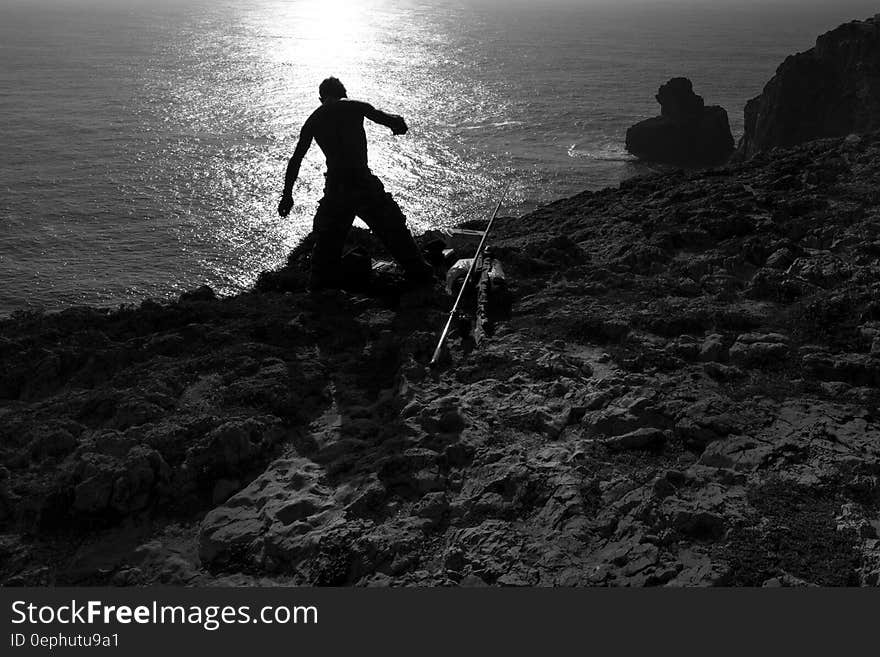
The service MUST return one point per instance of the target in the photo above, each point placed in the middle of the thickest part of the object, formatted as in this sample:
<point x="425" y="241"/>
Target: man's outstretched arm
<point x="396" y="123"/>
<point x="290" y="176"/>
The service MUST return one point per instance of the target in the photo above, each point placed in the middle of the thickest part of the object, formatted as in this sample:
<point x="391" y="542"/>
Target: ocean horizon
<point x="145" y="143"/>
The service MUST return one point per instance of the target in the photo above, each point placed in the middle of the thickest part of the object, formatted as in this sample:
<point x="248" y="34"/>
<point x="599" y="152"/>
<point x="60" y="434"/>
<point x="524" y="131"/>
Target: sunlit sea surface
<point x="144" y="143"/>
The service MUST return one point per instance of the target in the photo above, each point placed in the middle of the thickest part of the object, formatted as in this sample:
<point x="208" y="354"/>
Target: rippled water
<point x="144" y="142"/>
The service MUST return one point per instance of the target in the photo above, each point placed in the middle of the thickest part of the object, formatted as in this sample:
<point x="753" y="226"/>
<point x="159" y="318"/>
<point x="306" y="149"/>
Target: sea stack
<point x="687" y="133"/>
<point x="831" y="90"/>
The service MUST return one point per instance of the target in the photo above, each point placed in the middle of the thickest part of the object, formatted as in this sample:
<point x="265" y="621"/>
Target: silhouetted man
<point x="351" y="188"/>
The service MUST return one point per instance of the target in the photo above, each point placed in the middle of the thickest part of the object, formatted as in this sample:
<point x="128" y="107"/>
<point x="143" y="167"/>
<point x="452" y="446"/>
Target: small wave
<point x="495" y="124"/>
<point x="605" y="153"/>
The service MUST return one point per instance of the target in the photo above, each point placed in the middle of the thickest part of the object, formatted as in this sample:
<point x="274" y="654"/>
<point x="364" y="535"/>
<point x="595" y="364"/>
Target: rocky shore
<point x="830" y="90"/>
<point x="687" y="132"/>
<point x="686" y="394"/>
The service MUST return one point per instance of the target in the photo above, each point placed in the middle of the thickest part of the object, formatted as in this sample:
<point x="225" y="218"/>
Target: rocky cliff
<point x="687" y="394"/>
<point x="830" y="90"/>
<point x="686" y="133"/>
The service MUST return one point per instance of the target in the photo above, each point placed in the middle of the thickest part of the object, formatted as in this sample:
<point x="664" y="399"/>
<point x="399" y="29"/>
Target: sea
<point x="144" y="141"/>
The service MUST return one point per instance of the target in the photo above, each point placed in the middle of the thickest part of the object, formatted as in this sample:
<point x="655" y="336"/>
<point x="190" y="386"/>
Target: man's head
<point x="331" y="89"/>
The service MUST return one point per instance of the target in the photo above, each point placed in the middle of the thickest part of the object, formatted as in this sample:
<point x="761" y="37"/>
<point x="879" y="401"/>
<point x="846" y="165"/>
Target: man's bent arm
<point x="302" y="147"/>
<point x="396" y="123"/>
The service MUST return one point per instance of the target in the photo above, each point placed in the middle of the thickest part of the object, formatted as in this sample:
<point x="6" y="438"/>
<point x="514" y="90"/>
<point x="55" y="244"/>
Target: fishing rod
<point x="436" y="357"/>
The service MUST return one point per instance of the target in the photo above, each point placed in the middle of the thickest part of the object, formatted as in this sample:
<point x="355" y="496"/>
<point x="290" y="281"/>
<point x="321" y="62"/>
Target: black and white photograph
<point x="439" y="294"/>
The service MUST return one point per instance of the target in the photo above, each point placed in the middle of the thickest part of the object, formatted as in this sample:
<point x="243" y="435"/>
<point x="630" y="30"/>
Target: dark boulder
<point x="686" y="133"/>
<point x="831" y="90"/>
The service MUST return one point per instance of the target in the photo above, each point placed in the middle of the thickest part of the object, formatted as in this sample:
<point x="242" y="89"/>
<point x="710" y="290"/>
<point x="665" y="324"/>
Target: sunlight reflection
<point x="324" y="37"/>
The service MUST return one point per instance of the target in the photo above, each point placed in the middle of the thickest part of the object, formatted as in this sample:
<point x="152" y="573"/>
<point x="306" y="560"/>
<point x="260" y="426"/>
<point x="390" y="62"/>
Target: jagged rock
<point x="775" y="285"/>
<point x="780" y="259"/>
<point x="752" y="349"/>
<point x="831" y="90"/>
<point x="699" y="523"/>
<point x="143" y="477"/>
<point x="96" y="474"/>
<point x="54" y="441"/>
<point x="233" y="446"/>
<point x="626" y="415"/>
<point x="135" y="412"/>
<point x="821" y="269"/>
<point x="786" y="580"/>
<point x="707" y="420"/>
<point x="267" y="388"/>
<point x="280" y="515"/>
<point x="156" y="561"/>
<point x="737" y="452"/>
<point x="203" y="293"/>
<point x="43" y="377"/>
<point x="685" y="133"/>
<point x="685" y="347"/>
<point x="170" y="344"/>
<point x="109" y="484"/>
<point x="857" y="369"/>
<point x="432" y="506"/>
<point x="713" y="349"/>
<point x="645" y="438"/>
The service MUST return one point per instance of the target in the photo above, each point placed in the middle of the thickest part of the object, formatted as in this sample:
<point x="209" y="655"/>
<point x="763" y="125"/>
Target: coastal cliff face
<point x="687" y="394"/>
<point x="686" y="133"/>
<point x="831" y="90"/>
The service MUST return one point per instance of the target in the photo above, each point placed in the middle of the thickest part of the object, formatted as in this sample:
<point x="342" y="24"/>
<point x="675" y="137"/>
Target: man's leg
<point x="332" y="221"/>
<point x="381" y="213"/>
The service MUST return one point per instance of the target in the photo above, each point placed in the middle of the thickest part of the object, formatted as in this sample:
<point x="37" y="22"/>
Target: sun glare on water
<point x="318" y="38"/>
